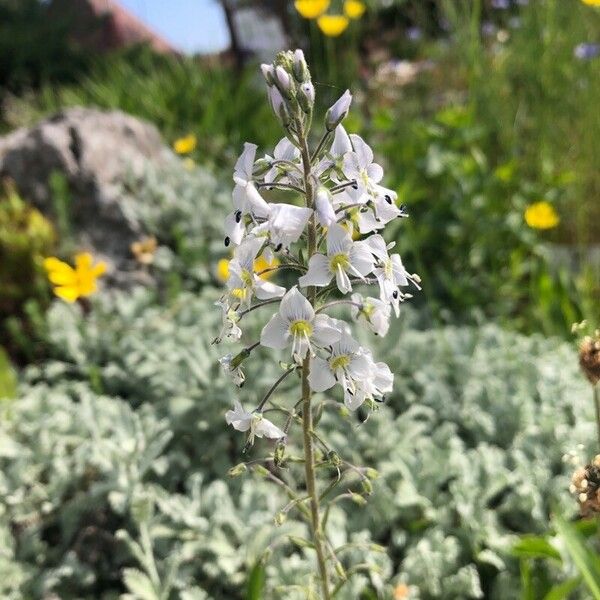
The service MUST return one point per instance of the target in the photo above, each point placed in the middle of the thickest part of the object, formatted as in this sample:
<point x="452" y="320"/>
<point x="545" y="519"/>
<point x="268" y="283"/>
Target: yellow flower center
<point x="239" y="293"/>
<point x="301" y="328"/>
<point x="339" y="260"/>
<point x="339" y="362"/>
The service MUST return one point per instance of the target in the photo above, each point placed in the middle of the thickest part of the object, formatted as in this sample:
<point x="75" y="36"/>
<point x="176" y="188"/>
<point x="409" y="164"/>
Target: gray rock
<point x="97" y="152"/>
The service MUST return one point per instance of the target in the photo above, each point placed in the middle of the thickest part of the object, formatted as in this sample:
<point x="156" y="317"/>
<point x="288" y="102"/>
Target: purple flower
<point x="488" y="29"/>
<point x="501" y="4"/>
<point x="586" y="51"/>
<point x="414" y="34"/>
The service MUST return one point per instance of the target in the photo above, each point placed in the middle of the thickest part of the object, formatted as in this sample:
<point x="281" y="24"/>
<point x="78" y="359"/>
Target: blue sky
<point x="190" y="25"/>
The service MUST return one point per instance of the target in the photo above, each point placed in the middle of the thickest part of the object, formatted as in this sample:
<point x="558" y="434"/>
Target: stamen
<point x="227" y="241"/>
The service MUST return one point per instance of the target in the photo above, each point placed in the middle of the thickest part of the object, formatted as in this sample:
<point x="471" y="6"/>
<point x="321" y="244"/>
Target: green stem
<point x="307" y="420"/>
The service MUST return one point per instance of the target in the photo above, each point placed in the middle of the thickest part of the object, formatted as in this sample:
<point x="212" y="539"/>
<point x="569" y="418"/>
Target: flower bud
<point x="237" y="470"/>
<point x="283" y="81"/>
<point x="339" y="111"/>
<point x="358" y="499"/>
<point x="299" y="67"/>
<point x="261" y="166"/>
<point x="268" y="73"/>
<point x="372" y="473"/>
<point x="306" y="96"/>
<point x="280" y="519"/>
<point x="334" y="458"/>
<point x="367" y="487"/>
<point x="279" y="106"/>
<point x="279" y="454"/>
<point x="340" y="571"/>
<point x="300" y="542"/>
<point x="260" y="470"/>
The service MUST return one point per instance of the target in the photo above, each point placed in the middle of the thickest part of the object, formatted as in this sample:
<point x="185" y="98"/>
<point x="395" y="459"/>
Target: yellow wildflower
<point x="260" y="264"/>
<point x="185" y="145"/>
<point x="591" y="2"/>
<point x="354" y="9"/>
<point x="311" y="9"/>
<point x="73" y="283"/>
<point x="144" y="250"/>
<point x="541" y="215"/>
<point x="333" y="25"/>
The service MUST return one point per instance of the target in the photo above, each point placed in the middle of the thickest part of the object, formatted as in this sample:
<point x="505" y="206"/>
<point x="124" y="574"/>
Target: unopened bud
<point x="261" y="166"/>
<point x="279" y="106"/>
<point x="239" y="358"/>
<point x="283" y="81"/>
<point x="280" y="519"/>
<point x="367" y="487"/>
<point x="300" y="542"/>
<point x="340" y="571"/>
<point x="334" y="458"/>
<point x="339" y="111"/>
<point x="237" y="470"/>
<point x="372" y="473"/>
<point x="358" y="499"/>
<point x="299" y="66"/>
<point x="279" y="454"/>
<point x="306" y="96"/>
<point x="318" y="414"/>
<point x="260" y="470"/>
<point x="268" y="73"/>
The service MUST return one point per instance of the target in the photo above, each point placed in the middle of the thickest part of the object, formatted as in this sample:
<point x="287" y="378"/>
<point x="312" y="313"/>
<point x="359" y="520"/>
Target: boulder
<point x="97" y="152"/>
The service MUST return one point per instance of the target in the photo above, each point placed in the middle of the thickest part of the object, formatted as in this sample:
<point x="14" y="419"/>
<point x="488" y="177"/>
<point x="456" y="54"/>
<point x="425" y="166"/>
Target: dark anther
<point x="238" y="216"/>
<point x="278" y="247"/>
<point x="403" y="208"/>
<point x="355" y="186"/>
<point x="388" y="198"/>
<point x="227" y="241"/>
<point x="395" y="294"/>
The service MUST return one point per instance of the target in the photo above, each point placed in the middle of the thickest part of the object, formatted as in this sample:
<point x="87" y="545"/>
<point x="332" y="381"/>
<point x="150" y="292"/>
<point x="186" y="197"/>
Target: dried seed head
<point x="585" y="484"/>
<point x="589" y="358"/>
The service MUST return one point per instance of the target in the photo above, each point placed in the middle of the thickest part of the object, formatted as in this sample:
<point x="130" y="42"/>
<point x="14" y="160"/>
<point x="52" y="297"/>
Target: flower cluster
<point x="331" y="24"/>
<point x="336" y="210"/>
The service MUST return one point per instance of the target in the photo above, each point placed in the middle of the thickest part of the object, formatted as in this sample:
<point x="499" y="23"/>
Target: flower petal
<point x="266" y="290"/>
<point x="275" y="333"/>
<point x="295" y="307"/>
<point x="338" y="240"/>
<point x="318" y="272"/>
<point x="70" y="293"/>
<point x="325" y="331"/>
<point x="267" y="429"/>
<point x="320" y="378"/>
<point x="363" y="151"/>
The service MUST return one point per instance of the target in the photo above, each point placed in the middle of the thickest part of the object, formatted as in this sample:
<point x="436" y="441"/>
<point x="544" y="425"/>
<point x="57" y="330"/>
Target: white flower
<point x="375" y="313"/>
<point x="243" y="283"/>
<point x="334" y="158"/>
<point x="346" y="365"/>
<point x="324" y="209"/>
<point x="344" y="258"/>
<point x="246" y="199"/>
<point x="380" y="382"/>
<point x="284" y="150"/>
<point x="236" y="373"/>
<point x="359" y="166"/>
<point x="338" y="112"/>
<point x="296" y="323"/>
<point x="390" y="272"/>
<point x="230" y="319"/>
<point x="284" y="225"/>
<point x="255" y="423"/>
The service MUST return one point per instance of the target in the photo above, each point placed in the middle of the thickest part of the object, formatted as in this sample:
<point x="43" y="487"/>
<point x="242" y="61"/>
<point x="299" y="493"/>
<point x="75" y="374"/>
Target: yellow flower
<point x="72" y="283"/>
<point x="333" y="25"/>
<point x="260" y="264"/>
<point x="311" y="9"/>
<point x="541" y="215"/>
<point x="144" y="250"/>
<point x="354" y="9"/>
<point x="186" y="144"/>
<point x="591" y="2"/>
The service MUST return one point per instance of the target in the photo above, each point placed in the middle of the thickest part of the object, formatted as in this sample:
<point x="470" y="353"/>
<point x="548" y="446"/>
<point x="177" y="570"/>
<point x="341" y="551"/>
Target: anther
<point x="227" y="241"/>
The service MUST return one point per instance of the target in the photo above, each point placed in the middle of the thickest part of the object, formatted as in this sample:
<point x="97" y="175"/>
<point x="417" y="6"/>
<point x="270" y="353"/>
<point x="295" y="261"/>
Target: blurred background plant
<point x="114" y="451"/>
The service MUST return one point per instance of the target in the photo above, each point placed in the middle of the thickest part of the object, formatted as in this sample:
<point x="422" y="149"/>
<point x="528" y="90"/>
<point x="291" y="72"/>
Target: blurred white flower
<point x="254" y="423"/>
<point x="235" y="373"/>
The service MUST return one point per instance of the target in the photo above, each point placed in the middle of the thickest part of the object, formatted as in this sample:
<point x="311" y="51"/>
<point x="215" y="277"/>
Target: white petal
<point x="398" y="270"/>
<point x="267" y="429"/>
<point x="343" y="281"/>
<point x="362" y="150"/>
<point x="325" y="331"/>
<point x="320" y="378"/>
<point x="238" y="417"/>
<point x="338" y="240"/>
<point x="368" y="223"/>
<point x="377" y="246"/>
<point x="245" y="164"/>
<point x="256" y="203"/>
<point x="234" y="229"/>
<point x="285" y="150"/>
<point x="384" y="378"/>
<point x="266" y="290"/>
<point x="361" y="258"/>
<point x="318" y="272"/>
<point x="351" y="166"/>
<point x="295" y="307"/>
<point x="375" y="172"/>
<point x="275" y="333"/>
<point x="324" y="209"/>
<point x="341" y="142"/>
